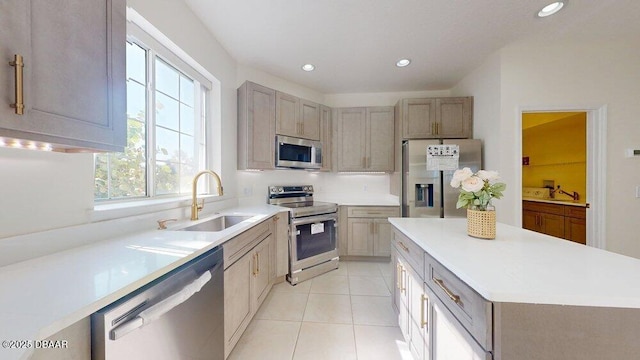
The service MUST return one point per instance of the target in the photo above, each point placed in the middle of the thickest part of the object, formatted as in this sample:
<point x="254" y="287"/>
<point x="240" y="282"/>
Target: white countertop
<point x="523" y="266"/>
<point x="45" y="295"/>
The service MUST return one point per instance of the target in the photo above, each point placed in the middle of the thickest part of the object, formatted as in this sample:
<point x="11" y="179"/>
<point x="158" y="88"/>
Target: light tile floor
<point x="344" y="314"/>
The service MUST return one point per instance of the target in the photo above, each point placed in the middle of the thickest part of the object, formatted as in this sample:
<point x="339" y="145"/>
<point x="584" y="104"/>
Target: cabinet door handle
<point x="403" y="274"/>
<point x="302" y="127"/>
<point x="403" y="246"/>
<point x="398" y="274"/>
<point x="455" y="298"/>
<point x="371" y="228"/>
<point x="18" y="63"/>
<point x="437" y="129"/>
<point x="258" y="264"/>
<point x="423" y="321"/>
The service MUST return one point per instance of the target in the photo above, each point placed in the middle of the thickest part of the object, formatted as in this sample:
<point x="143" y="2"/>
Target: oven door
<point x="313" y="241"/>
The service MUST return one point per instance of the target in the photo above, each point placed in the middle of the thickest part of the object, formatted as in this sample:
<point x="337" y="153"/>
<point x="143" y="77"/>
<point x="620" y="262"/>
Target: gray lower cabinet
<point x="368" y="230"/>
<point x="73" y="74"/>
<point x="366" y="138"/>
<point x="256" y="127"/>
<point x="248" y="277"/>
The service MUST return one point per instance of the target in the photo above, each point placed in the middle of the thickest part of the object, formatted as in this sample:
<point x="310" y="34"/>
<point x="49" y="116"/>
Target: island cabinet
<point x="297" y="117"/>
<point x="440" y="317"/>
<point x="368" y="230"/>
<point x="66" y="86"/>
<point x="366" y="138"/>
<point x="436" y="118"/>
<point x="249" y="262"/>
<point x="548" y="312"/>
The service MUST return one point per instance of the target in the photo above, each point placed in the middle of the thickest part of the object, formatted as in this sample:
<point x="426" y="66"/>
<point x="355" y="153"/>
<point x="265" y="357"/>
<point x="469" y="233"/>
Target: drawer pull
<point x="423" y="321"/>
<point x="455" y="298"/>
<point x="403" y="246"/>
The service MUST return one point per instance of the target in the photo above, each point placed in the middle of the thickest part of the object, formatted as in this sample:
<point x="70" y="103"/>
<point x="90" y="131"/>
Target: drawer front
<point x="575" y="212"/>
<point x="373" y="211"/>
<point x="472" y="310"/>
<point x="235" y="248"/>
<point x="410" y="251"/>
<point x="543" y="207"/>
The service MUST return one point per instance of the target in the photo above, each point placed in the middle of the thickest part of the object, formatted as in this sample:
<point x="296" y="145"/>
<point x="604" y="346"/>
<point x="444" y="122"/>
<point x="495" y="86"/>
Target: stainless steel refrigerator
<point x="427" y="193"/>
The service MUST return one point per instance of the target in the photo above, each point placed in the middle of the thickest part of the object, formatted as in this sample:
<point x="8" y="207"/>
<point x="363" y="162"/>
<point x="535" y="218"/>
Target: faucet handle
<point x="200" y="205"/>
<point x="162" y="224"/>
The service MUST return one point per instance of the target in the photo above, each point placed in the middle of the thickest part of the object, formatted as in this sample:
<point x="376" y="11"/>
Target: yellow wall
<point x="557" y="150"/>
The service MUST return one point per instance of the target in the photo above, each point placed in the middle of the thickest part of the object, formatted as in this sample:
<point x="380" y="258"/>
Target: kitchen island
<point x="523" y="295"/>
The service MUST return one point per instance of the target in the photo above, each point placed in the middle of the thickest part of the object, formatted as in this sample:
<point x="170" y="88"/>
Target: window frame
<point x="144" y="34"/>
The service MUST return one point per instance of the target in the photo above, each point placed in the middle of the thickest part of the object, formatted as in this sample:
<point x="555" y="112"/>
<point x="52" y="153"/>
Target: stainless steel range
<point x="313" y="240"/>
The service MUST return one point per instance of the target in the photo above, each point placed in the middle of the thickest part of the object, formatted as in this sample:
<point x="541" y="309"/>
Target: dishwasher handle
<point x="147" y="316"/>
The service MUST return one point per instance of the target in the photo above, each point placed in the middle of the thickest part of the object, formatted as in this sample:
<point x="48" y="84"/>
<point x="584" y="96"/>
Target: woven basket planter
<point x="481" y="224"/>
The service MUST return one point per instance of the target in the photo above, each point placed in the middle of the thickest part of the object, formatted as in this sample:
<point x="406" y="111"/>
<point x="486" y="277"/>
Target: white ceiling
<point x="355" y="43"/>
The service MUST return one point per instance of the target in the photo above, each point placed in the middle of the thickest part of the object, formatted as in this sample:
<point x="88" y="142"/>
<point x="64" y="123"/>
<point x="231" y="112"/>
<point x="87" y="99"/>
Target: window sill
<point x="117" y="210"/>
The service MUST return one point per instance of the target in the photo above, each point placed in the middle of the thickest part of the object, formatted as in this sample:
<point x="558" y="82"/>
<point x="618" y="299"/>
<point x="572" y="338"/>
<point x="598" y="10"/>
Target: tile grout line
<point x="295" y="345"/>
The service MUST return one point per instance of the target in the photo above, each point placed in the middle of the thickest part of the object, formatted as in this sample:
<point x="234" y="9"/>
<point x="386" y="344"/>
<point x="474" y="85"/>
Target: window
<point x="166" y="117"/>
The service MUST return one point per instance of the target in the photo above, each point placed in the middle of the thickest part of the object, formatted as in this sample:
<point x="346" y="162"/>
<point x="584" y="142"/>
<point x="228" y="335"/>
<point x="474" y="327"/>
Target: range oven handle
<point x="314" y="219"/>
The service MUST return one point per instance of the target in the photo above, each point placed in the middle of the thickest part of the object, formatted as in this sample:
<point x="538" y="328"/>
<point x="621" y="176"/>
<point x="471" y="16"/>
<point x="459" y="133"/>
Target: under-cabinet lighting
<point x="551" y="9"/>
<point x="20" y="144"/>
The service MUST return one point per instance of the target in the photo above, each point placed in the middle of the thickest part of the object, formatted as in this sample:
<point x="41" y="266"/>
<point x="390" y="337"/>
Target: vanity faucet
<point x="195" y="207"/>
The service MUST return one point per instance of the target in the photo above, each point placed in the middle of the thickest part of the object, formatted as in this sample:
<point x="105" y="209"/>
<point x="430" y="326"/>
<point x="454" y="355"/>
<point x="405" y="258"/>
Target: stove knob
<point x="311" y="188"/>
<point x="305" y="188"/>
<point x="273" y="189"/>
<point x="280" y="190"/>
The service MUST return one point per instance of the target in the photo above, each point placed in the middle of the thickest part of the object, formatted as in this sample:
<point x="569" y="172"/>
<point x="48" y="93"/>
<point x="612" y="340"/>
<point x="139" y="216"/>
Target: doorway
<point x="557" y="160"/>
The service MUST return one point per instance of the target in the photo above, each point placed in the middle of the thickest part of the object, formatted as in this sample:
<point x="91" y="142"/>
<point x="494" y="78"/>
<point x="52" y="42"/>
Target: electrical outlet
<point x="364" y="187"/>
<point x="638" y="191"/>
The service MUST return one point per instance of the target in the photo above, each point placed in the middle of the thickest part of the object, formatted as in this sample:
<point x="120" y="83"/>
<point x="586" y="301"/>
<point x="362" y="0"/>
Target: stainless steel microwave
<point x="298" y="153"/>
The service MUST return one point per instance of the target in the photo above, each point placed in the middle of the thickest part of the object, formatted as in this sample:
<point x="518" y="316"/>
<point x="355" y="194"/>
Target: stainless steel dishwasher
<point x="178" y="316"/>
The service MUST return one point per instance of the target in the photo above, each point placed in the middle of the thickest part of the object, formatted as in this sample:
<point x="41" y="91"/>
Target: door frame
<point x="596" y="166"/>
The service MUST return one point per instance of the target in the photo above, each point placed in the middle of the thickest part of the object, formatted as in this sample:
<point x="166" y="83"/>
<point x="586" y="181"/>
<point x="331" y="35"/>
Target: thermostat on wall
<point x="633" y="152"/>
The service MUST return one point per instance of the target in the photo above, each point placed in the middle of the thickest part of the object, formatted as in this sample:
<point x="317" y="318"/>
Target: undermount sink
<point x="218" y="223"/>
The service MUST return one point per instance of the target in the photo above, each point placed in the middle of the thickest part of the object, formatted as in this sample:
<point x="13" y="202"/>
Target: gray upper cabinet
<point x="436" y="118"/>
<point x="366" y="139"/>
<point x="74" y="75"/>
<point x="287" y="114"/>
<point x="352" y="148"/>
<point x="326" y="135"/>
<point x="309" y="120"/>
<point x="297" y="117"/>
<point x="418" y="117"/>
<point x="256" y="127"/>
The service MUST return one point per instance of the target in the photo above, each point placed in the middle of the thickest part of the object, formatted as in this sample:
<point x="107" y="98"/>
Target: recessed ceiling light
<point x="403" y="62"/>
<point x="551" y="9"/>
<point x="308" y="67"/>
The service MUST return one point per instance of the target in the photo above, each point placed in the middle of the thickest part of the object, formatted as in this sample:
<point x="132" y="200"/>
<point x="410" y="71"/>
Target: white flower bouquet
<point x="477" y="190"/>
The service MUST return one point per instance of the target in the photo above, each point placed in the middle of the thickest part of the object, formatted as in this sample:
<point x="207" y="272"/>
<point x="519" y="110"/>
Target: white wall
<point x="571" y="74"/>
